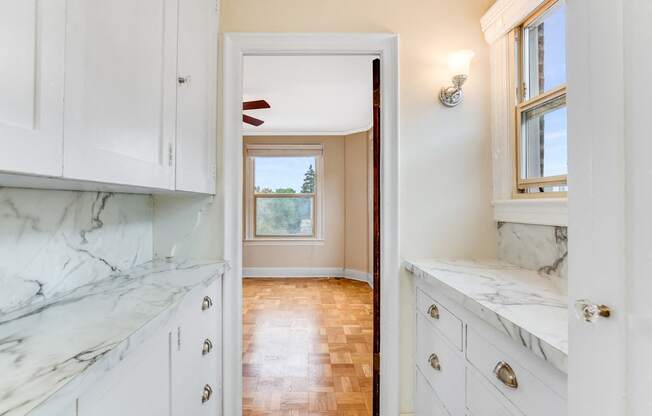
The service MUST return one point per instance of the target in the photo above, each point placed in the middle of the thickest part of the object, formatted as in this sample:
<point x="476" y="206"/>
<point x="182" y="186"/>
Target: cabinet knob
<point x="590" y="311"/>
<point x="506" y="375"/>
<point x="433" y="311"/>
<point x="434" y="362"/>
<point x="183" y="80"/>
<point x="206" y="395"/>
<point x="207" y="347"/>
<point x="206" y="303"/>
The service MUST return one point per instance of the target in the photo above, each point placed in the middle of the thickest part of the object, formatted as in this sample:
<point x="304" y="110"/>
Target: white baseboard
<point x="254" y="272"/>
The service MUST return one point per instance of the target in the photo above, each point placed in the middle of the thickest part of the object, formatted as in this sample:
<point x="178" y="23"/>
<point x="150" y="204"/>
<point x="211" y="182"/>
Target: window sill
<point x="541" y="211"/>
<point x="284" y="242"/>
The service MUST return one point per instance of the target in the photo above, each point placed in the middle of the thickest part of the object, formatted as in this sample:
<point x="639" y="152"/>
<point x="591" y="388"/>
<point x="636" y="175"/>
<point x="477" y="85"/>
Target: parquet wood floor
<point x="307" y="347"/>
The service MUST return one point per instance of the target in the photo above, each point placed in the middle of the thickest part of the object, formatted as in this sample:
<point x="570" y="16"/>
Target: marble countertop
<point x="50" y="350"/>
<point x="521" y="303"/>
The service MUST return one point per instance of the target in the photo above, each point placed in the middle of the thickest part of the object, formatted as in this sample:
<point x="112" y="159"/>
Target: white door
<point x="32" y="39"/>
<point x="120" y="87"/>
<point x="610" y="203"/>
<point x="197" y="96"/>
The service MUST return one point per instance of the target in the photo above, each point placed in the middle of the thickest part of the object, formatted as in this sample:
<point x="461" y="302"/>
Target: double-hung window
<point x="283" y="191"/>
<point x="540" y="77"/>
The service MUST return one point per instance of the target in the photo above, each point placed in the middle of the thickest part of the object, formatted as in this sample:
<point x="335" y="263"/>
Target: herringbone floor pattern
<point x="307" y="347"/>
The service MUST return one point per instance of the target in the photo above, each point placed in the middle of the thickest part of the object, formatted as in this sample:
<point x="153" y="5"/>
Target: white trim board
<point x="385" y="46"/>
<point x="543" y="211"/>
<point x="504" y="16"/>
<point x="298" y="272"/>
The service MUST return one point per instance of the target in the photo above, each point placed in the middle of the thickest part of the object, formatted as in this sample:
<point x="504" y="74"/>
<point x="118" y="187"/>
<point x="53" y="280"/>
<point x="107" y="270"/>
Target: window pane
<point x="284" y="175"/>
<point x="284" y="216"/>
<point x="545" y="51"/>
<point x="543" y="140"/>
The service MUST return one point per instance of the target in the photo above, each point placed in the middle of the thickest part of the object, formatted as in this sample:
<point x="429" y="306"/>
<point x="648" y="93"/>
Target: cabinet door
<point x="139" y="386"/>
<point x="120" y="87"/>
<point x="427" y="403"/>
<point x="32" y="39"/>
<point x="191" y="369"/>
<point x="197" y="96"/>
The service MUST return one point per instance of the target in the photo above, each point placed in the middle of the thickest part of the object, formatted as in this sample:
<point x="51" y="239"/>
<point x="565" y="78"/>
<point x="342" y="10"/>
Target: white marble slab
<point x="49" y="351"/>
<point x="518" y="302"/>
<point x="53" y="241"/>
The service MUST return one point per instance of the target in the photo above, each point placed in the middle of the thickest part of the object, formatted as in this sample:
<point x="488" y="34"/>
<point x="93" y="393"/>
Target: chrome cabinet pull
<point x="433" y="360"/>
<point x="206" y="395"/>
<point x="433" y="311"/>
<point x="506" y="375"/>
<point x="590" y="311"/>
<point x="207" y="347"/>
<point x="206" y="303"/>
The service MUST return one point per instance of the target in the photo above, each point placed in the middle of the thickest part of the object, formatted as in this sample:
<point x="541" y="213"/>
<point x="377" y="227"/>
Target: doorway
<point x="386" y="262"/>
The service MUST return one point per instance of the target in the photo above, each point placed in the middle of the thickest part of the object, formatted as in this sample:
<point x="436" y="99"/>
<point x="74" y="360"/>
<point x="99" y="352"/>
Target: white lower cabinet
<point x="459" y="378"/>
<point x="176" y="371"/>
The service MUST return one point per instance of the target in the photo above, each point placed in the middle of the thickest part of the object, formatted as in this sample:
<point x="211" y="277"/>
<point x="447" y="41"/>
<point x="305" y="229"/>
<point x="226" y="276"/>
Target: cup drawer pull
<point x="433" y="311"/>
<point x="206" y="303"/>
<point x="207" y="347"/>
<point x="506" y="375"/>
<point x="206" y="395"/>
<point x="434" y="362"/>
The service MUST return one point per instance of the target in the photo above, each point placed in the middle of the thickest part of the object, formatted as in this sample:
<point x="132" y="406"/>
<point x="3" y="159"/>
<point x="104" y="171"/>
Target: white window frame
<point x="253" y="150"/>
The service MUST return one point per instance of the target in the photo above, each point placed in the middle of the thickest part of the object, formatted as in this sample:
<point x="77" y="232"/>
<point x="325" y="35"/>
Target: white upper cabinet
<point x="197" y="96"/>
<point x="120" y="89"/>
<point x="32" y="37"/>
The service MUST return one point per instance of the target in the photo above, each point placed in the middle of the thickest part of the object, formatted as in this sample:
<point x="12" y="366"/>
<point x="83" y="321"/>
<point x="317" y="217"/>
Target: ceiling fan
<point x="254" y="105"/>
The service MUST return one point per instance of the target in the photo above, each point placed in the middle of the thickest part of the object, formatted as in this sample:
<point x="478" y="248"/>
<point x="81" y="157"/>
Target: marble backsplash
<point x="54" y="241"/>
<point x="542" y="248"/>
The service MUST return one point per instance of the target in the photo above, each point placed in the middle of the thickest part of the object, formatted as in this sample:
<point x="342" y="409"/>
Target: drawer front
<point x="482" y="398"/>
<point x="530" y="395"/>
<point x="448" y="379"/>
<point x="427" y="403"/>
<point x="438" y="316"/>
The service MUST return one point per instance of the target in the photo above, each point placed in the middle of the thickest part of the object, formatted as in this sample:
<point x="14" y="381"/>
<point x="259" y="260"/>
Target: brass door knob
<point x="433" y="360"/>
<point x="206" y="303"/>
<point x="506" y="375"/>
<point x="433" y="311"/>
<point x="590" y="311"/>
<point x="207" y="347"/>
<point x="206" y="395"/>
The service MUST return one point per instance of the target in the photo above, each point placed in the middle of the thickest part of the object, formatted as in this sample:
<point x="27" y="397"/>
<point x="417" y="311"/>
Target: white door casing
<point x="237" y="45"/>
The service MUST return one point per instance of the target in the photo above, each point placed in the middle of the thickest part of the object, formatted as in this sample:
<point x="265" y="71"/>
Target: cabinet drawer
<point x="427" y="402"/>
<point x="448" y="379"/>
<point x="530" y="394"/>
<point x="482" y="398"/>
<point x="438" y="316"/>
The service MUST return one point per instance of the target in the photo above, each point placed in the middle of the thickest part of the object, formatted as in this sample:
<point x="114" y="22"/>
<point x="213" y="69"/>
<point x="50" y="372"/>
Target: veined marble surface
<point x="518" y="302"/>
<point x="45" y="348"/>
<point x="543" y="248"/>
<point x="54" y="241"/>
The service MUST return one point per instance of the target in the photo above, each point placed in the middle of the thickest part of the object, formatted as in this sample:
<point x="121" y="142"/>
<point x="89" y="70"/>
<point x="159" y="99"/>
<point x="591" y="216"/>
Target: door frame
<point x="235" y="47"/>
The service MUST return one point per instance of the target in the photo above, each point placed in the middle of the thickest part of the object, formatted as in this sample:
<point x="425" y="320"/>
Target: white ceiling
<point x="309" y="95"/>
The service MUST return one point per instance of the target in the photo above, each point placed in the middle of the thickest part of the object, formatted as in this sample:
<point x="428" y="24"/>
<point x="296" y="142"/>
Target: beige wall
<point x="356" y="203"/>
<point x="445" y="158"/>
<point x="331" y="252"/>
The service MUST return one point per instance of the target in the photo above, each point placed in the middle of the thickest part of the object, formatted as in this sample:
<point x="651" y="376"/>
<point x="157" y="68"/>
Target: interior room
<point x="236" y="207"/>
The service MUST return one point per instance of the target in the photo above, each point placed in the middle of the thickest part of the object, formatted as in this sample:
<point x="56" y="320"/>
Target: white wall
<point x="445" y="153"/>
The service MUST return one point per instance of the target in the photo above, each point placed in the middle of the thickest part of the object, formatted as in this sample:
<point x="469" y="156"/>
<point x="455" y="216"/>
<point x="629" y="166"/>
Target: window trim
<point x="253" y="150"/>
<point x="520" y="105"/>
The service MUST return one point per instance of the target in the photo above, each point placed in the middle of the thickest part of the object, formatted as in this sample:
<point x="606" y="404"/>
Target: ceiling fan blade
<point x="250" y="120"/>
<point x="255" y="105"/>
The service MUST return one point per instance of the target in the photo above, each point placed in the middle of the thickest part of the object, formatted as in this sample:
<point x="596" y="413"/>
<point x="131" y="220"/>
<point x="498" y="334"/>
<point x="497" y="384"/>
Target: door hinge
<point x="178" y="338"/>
<point x="170" y="154"/>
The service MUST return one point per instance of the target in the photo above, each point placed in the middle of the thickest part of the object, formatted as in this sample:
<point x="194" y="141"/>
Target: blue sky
<point x="282" y="172"/>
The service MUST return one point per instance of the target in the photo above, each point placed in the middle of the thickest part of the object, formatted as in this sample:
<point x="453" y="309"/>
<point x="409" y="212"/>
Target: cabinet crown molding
<point x="504" y="15"/>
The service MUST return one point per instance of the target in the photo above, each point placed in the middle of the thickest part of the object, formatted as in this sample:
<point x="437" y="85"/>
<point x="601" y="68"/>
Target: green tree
<point x="308" y="186"/>
<point x="285" y="191"/>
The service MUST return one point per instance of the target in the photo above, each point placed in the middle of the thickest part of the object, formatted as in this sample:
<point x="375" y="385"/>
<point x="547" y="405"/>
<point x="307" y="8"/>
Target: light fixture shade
<point x="460" y="62"/>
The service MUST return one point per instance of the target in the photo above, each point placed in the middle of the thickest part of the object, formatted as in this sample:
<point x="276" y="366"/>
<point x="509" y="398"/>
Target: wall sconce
<point x="459" y="64"/>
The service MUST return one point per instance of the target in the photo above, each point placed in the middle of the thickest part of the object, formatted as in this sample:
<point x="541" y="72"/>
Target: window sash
<point x="257" y="196"/>
<point x="523" y="105"/>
